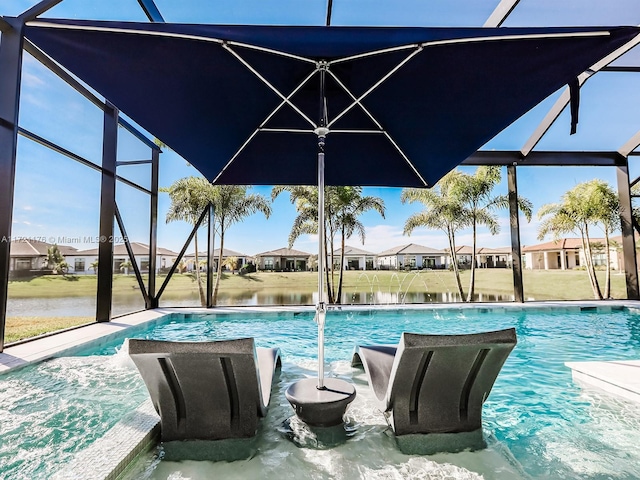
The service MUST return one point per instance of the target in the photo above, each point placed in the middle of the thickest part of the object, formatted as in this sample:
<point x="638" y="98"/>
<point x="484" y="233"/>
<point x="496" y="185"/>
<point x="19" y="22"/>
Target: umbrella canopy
<point x="404" y="105"/>
<point x="388" y="106"/>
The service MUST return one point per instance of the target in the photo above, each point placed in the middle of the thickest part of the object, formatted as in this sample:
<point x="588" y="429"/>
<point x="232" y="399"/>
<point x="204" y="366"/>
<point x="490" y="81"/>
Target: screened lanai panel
<point x="574" y="12"/>
<point x="234" y="12"/>
<point x="117" y="10"/>
<point x="77" y="127"/>
<point x="609" y="106"/>
<point x="516" y="135"/>
<point x="415" y="13"/>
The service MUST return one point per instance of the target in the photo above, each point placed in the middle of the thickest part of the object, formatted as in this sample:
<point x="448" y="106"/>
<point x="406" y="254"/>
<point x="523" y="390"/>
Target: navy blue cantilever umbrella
<point x="387" y="106"/>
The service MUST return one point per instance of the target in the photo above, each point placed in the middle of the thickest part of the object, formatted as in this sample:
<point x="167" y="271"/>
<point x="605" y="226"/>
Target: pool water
<point x="538" y="423"/>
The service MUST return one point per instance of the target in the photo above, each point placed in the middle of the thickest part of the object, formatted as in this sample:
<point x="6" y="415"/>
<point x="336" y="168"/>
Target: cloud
<point x="27" y="207"/>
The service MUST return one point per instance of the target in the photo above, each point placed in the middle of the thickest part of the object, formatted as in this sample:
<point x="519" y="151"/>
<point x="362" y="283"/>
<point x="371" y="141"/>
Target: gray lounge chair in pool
<point x="206" y="390"/>
<point x="431" y="387"/>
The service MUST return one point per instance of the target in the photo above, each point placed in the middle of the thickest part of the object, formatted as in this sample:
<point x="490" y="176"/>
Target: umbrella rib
<point x="267" y="83"/>
<point x="492" y="38"/>
<point x="358" y="100"/>
<point x="285" y="130"/>
<point x="270" y="50"/>
<point x="257" y="130"/>
<point x="382" y="130"/>
<point x="378" y="132"/>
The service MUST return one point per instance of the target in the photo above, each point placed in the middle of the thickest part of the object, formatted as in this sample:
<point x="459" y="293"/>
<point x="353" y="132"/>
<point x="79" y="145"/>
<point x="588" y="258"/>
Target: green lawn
<point x="538" y="285"/>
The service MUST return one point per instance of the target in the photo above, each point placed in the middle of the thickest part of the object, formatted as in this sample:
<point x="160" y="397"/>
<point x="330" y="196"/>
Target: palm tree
<point x="475" y="192"/>
<point x="231" y="263"/>
<point x="125" y="266"/>
<point x="349" y="205"/>
<point x="189" y="197"/>
<point x="94" y="267"/>
<point x="55" y="261"/>
<point x="443" y="211"/>
<point x="607" y="214"/>
<point x="231" y="204"/>
<point x="585" y="205"/>
<point x="343" y="206"/>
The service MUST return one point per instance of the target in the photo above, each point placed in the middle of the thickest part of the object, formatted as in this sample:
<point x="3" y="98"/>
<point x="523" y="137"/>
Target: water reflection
<point x="86" y="306"/>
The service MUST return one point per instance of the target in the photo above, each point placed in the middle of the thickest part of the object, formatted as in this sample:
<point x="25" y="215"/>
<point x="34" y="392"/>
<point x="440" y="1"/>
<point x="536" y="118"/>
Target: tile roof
<point x="216" y="253"/>
<point x="560" y="244"/>
<point x="283" y="252"/>
<point x="120" y="249"/>
<point x="351" y="251"/>
<point x="410" y="249"/>
<point x="34" y="248"/>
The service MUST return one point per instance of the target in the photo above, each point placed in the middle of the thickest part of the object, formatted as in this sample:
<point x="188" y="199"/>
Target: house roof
<point x="216" y="253"/>
<point x="464" y="250"/>
<point x="410" y="249"/>
<point x="120" y="249"/>
<point x="351" y="251"/>
<point x="283" y="252"/>
<point x="560" y="244"/>
<point x="494" y="251"/>
<point x="34" y="248"/>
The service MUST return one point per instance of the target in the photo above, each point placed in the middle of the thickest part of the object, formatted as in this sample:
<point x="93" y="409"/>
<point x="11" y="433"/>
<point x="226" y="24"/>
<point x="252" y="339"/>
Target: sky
<point x="58" y="199"/>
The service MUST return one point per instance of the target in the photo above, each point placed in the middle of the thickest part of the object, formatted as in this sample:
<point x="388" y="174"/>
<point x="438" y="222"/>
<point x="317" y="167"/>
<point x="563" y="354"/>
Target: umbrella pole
<point x="321" y="307"/>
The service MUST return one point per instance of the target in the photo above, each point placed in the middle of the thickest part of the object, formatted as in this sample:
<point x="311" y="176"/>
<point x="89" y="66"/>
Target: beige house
<point x="355" y="259"/>
<point x="411" y="256"/>
<point x="283" y="259"/>
<point x="27" y="255"/>
<point x="494" y="257"/>
<point x="80" y="261"/>
<point x="190" y="258"/>
<point x="567" y="254"/>
<point x="485" y="257"/>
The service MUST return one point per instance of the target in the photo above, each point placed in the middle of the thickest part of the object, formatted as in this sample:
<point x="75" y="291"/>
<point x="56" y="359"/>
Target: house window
<point x="268" y="263"/>
<point x="410" y="261"/>
<point x="428" y="262"/>
<point x="23" y="264"/>
<point x="78" y="265"/>
<point x="369" y="263"/>
<point x="577" y="259"/>
<point x="599" y="259"/>
<point x="144" y="264"/>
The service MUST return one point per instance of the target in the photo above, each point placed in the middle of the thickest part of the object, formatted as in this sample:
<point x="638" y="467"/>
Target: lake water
<point x="132" y="302"/>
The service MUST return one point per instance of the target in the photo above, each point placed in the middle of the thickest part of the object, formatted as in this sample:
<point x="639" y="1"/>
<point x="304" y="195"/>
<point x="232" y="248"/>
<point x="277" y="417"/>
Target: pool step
<point x="109" y="456"/>
<point x="621" y="378"/>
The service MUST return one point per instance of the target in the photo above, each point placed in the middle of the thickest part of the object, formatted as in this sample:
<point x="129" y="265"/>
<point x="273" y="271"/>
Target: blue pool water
<point x="538" y="422"/>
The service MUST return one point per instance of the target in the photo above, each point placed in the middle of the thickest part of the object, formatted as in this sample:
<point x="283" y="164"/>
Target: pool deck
<point x="66" y="342"/>
<point x="621" y="378"/>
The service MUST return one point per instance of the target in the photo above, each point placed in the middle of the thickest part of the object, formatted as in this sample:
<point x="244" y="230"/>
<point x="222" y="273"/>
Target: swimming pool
<point x="538" y="422"/>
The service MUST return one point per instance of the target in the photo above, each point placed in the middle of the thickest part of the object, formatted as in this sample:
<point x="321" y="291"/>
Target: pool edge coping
<point x="70" y="341"/>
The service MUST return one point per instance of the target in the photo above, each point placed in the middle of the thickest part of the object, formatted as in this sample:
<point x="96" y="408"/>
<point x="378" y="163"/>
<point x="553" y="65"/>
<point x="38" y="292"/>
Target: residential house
<point x="464" y="254"/>
<point x="27" y="255"/>
<point x="411" y="256"/>
<point x="81" y="260"/>
<point x="567" y="253"/>
<point x="283" y="259"/>
<point x="485" y="257"/>
<point x="355" y="259"/>
<point x="494" y="257"/>
<point x="243" y="259"/>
